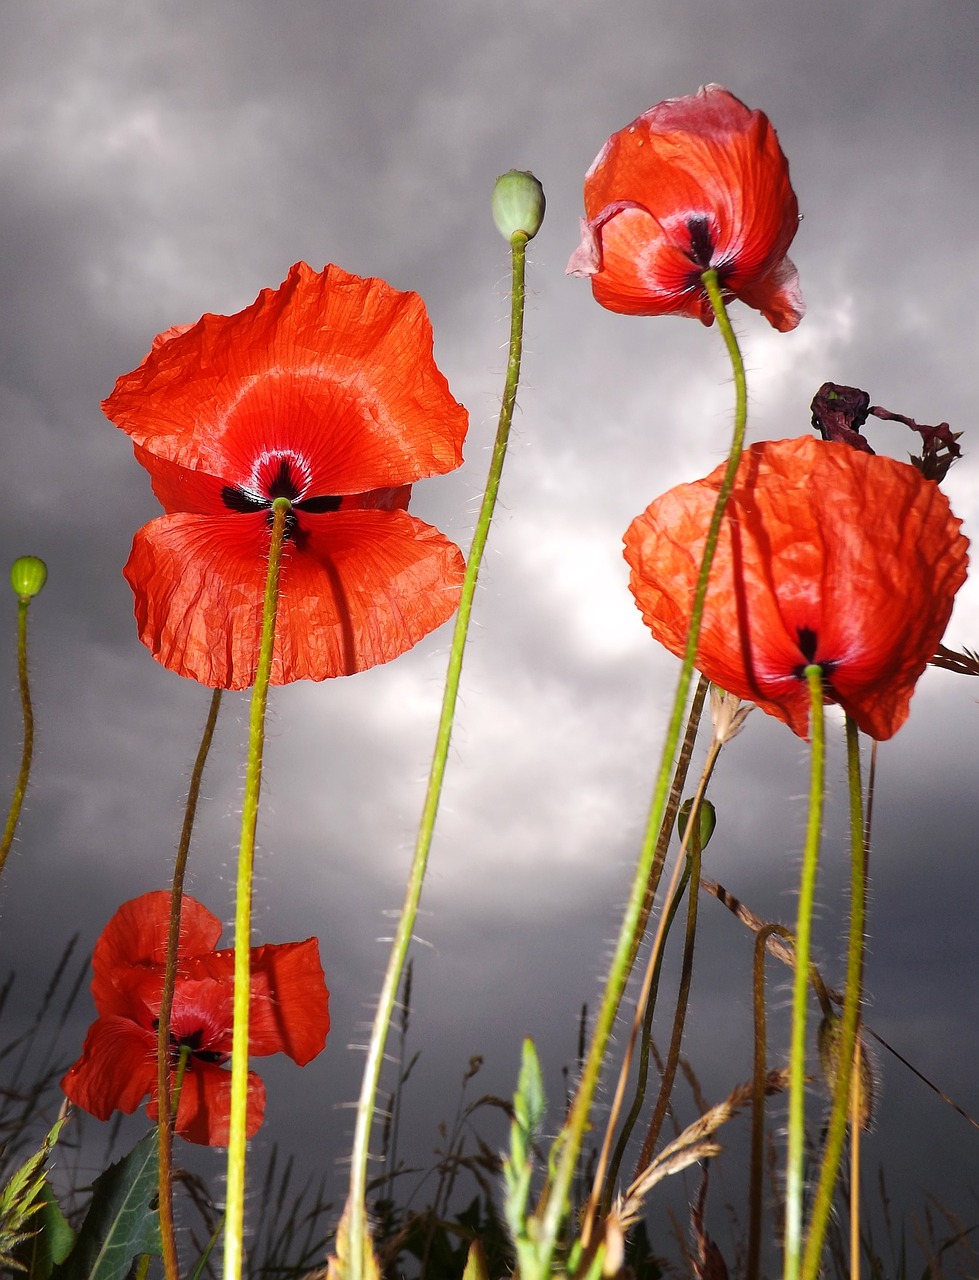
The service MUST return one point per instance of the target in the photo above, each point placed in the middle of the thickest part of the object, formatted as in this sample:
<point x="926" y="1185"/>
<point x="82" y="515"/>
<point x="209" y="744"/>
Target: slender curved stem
<point x="647" y="1004"/>
<point x="555" y="1206"/>
<point x="848" y="1044"/>
<point x="20" y="788"/>
<point x="800" y="987"/>
<point x="234" y="1230"/>
<point x="356" y="1211"/>
<point x="758" y="1080"/>
<point x="166" y="1118"/>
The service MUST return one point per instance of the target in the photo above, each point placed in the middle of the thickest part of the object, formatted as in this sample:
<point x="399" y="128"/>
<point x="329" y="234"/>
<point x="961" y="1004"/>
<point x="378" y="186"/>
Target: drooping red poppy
<point x="827" y="556"/>
<point x="324" y="391"/>
<point x="693" y="183"/>
<point x="289" y="1013"/>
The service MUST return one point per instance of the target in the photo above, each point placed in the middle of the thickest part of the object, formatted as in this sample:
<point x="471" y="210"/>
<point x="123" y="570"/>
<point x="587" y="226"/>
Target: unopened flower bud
<point x="518" y="204"/>
<point x="830" y="1030"/>
<point x="707" y="816"/>
<point x="28" y="575"/>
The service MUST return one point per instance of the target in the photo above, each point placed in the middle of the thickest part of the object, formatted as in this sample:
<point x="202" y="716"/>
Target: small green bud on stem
<point x="518" y="204"/>
<point x="28" y="575"/>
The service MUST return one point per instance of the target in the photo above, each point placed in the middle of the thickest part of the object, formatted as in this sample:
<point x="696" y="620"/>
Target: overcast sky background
<point x="159" y="160"/>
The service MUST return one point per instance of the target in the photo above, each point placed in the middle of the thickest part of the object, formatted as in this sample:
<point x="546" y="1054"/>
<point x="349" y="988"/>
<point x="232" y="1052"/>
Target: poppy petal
<point x="136" y="936"/>
<point x="357" y="588"/>
<point x="290" y="1002"/>
<point x="204" y="1110"/>
<point x="826" y="555"/>
<point x="334" y="370"/>
<point x="117" y="1068"/>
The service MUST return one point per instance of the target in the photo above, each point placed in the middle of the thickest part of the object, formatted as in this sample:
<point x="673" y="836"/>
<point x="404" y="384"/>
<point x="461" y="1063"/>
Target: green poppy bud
<point x="830" y="1030"/>
<point x="518" y="204"/>
<point x="708" y="820"/>
<point x="28" y="575"/>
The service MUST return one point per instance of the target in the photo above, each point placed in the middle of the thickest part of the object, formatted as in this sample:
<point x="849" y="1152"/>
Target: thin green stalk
<point x="800" y="988"/>
<point x="356" y="1211"/>
<point x="20" y="789"/>
<point x="672" y="808"/>
<point x="166" y="1117"/>
<point x="234" y="1230"/>
<point x="850" y="1022"/>
<point x="758" y="1081"/>
<point x="648" y="1003"/>
<point x="571" y="1137"/>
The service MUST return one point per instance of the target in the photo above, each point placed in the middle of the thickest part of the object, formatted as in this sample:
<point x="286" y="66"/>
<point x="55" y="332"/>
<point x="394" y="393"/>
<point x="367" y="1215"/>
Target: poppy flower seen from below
<point x="694" y="183"/>
<point x="289" y="1014"/>
<point x="827" y="556"/>
<point x="324" y="391"/>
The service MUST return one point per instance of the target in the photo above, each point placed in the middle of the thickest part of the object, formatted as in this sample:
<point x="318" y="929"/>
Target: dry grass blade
<point x="965" y="663"/>
<point x="693" y="1144"/>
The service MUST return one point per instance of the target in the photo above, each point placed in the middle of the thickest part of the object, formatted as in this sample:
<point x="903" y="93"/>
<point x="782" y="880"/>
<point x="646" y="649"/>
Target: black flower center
<point x="193" y="1041"/>
<point x="701" y="243"/>
<point x="808" y="644"/>
<point x="280" y="476"/>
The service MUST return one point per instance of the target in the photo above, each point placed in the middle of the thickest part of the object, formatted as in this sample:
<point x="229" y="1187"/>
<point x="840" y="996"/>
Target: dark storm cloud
<point x="161" y="160"/>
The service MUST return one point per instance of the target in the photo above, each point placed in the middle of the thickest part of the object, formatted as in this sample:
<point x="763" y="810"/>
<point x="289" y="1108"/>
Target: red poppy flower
<point x="324" y="391"/>
<point x="827" y="556"/>
<point x="289" y="1014"/>
<point x="693" y="183"/>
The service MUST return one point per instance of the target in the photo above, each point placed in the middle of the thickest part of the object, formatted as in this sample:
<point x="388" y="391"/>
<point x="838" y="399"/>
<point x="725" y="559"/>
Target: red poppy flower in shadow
<point x="827" y="556"/>
<point x="289" y="1013"/>
<point x="324" y="391"/>
<point x="693" y="183"/>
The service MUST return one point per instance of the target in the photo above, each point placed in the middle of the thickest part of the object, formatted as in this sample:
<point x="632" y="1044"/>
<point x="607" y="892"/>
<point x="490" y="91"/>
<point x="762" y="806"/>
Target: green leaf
<point x="53" y="1241"/>
<point x="528" y="1115"/>
<point x="122" y="1220"/>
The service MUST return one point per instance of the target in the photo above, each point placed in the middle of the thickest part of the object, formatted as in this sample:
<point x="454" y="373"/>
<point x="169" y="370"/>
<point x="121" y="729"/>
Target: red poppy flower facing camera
<point x="694" y="183"/>
<point x="324" y="391"/>
<point x="289" y="1014"/>
<point x="827" y="556"/>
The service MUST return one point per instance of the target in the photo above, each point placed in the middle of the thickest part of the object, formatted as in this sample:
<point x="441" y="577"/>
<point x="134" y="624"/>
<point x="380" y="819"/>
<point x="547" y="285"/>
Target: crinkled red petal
<point x="290" y="1007"/>
<point x="859" y="550"/>
<point x="289" y="999"/>
<point x="204" y="1110"/>
<point x="332" y="369"/>
<point x="357" y="588"/>
<point x="137" y="936"/>
<point x="117" y="1068"/>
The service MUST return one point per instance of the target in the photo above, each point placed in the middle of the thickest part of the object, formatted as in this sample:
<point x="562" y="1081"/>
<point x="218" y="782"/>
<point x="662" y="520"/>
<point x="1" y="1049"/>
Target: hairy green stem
<point x="648" y="1004"/>
<point x="758" y="1081"/>
<point x="850" y="1022"/>
<point x="556" y="1204"/>
<point x="166" y="1117"/>
<point x="234" y="1230"/>
<point x="800" y="987"/>
<point x="356" y="1211"/>
<point x="20" y="788"/>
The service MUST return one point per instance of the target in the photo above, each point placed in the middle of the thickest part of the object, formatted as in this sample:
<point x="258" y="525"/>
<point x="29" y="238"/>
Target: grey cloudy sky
<point x="159" y="160"/>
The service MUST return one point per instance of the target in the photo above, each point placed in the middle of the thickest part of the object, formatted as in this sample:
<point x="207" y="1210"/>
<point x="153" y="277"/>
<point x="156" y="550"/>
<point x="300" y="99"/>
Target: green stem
<point x="851" y="1014"/>
<point x="572" y="1135"/>
<point x="357" y="1196"/>
<point x="234" y="1230"/>
<point x="647" y="1000"/>
<point x="758" y="1082"/>
<point x="20" y="789"/>
<point x="166" y="1117"/>
<point x="800" y="987"/>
